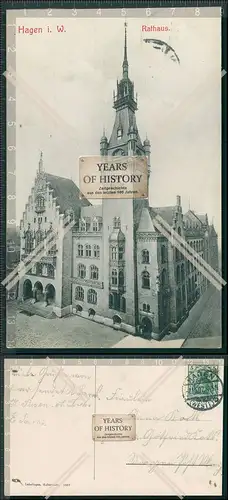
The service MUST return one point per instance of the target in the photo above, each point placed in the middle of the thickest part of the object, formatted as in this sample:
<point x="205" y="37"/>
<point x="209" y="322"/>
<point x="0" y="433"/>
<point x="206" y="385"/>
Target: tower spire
<point x="41" y="165"/>
<point x="125" y="61"/>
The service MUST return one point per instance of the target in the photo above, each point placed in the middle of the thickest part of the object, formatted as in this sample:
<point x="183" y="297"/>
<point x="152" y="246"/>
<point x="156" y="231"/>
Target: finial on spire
<point x="41" y="166"/>
<point x="125" y="62"/>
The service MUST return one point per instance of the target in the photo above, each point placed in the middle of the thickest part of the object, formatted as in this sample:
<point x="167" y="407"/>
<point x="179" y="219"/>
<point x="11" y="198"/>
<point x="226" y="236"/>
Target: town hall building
<point x="113" y="265"/>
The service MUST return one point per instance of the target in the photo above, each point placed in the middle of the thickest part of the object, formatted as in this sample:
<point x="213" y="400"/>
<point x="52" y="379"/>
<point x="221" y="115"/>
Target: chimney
<point x="178" y="201"/>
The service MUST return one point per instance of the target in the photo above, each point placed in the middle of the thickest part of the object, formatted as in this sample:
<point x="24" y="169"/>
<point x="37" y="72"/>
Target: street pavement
<point x="65" y="333"/>
<point x="202" y="329"/>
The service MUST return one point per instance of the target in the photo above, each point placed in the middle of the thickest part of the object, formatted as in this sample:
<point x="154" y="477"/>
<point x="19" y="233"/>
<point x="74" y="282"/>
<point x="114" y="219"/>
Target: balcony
<point x="117" y="288"/>
<point x="48" y="259"/>
<point x="87" y="282"/>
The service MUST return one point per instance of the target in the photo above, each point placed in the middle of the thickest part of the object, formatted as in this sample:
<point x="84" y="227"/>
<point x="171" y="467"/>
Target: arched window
<point x="145" y="279"/>
<point x="39" y="237"/>
<point x="145" y="257"/>
<point x="178" y="275"/>
<point x="79" y="293"/>
<point x="183" y="292"/>
<point x="123" y="304"/>
<point x="80" y="250"/>
<point x="81" y="271"/>
<point x="116" y="223"/>
<point x="146" y="308"/>
<point x="177" y="254"/>
<point x="119" y="133"/>
<point x="182" y="272"/>
<point x="94" y="273"/>
<point x="50" y="271"/>
<point x="120" y="253"/>
<point x="28" y="241"/>
<point x="96" y="251"/>
<point x="114" y="277"/>
<point x="51" y="239"/>
<point x="39" y="268"/>
<point x="179" y="231"/>
<point x="121" y="278"/>
<point x="111" y="301"/>
<point x="40" y="202"/>
<point x="114" y="253"/>
<point x="95" y="225"/>
<point x="88" y="251"/>
<point x="193" y="283"/>
<point x="163" y="254"/>
<point x="92" y="296"/>
<point x="163" y="278"/>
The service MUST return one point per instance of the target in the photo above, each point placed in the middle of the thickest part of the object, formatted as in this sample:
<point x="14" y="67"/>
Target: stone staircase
<point x="38" y="309"/>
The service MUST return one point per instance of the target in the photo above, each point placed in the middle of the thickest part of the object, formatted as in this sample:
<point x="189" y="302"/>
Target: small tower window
<point x="114" y="277"/>
<point x="119" y="133"/>
<point x="114" y="253"/>
<point x="95" y="225"/>
<point x="116" y="223"/>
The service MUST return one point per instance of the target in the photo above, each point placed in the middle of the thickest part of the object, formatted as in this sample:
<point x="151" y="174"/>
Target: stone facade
<point x="114" y="266"/>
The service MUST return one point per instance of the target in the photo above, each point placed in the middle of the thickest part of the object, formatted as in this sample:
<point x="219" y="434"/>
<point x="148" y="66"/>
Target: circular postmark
<point x="202" y="389"/>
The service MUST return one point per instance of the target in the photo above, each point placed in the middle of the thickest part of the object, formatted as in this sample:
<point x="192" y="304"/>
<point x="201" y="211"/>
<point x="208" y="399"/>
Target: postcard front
<point x="114" y="427"/>
<point x="124" y="250"/>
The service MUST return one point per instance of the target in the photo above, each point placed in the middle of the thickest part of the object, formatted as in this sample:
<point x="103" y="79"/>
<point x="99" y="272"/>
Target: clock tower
<point x="119" y="221"/>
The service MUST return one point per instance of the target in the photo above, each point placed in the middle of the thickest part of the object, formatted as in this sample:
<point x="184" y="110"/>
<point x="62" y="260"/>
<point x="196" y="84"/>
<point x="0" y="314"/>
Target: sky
<point x="73" y="74"/>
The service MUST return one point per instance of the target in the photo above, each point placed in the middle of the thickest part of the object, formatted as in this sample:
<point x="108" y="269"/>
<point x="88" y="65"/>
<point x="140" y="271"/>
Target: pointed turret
<point x="125" y="88"/>
<point x="146" y="145"/>
<point x="125" y="61"/>
<point x="132" y="139"/>
<point x="41" y="163"/>
<point x="103" y="144"/>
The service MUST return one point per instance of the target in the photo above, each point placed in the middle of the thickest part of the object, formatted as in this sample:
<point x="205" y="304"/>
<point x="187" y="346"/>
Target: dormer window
<point x="70" y="215"/>
<point x="95" y="225"/>
<point x="116" y="223"/>
<point x="119" y="133"/>
<point x="82" y="225"/>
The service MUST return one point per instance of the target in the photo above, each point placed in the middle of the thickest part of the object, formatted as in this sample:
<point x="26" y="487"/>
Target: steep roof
<point x="167" y="213"/>
<point x="202" y="218"/>
<point x="125" y="118"/>
<point x="67" y="194"/>
<point x="138" y="205"/>
<point x="212" y="230"/>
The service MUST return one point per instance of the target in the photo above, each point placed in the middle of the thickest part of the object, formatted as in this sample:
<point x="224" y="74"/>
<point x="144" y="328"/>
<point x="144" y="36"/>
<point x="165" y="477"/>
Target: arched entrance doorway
<point x="78" y="308"/>
<point x="146" y="326"/>
<point x="27" y="289"/>
<point x="50" y="293"/>
<point x="116" y="320"/>
<point x="91" y="313"/>
<point x="38" y="291"/>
